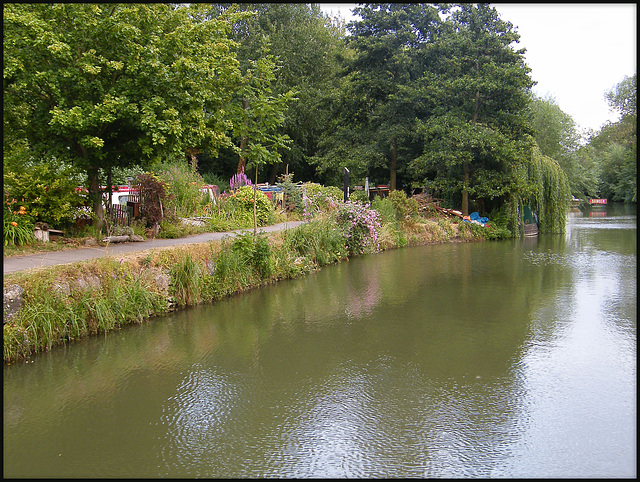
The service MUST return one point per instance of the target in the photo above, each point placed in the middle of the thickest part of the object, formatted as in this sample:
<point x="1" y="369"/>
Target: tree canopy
<point x="302" y="46"/>
<point x="478" y="88"/>
<point x="433" y="96"/>
<point x="374" y="115"/>
<point x="107" y="85"/>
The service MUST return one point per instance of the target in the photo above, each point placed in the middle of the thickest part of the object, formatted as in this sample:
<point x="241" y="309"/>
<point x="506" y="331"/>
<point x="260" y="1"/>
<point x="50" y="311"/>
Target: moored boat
<point x="530" y="219"/>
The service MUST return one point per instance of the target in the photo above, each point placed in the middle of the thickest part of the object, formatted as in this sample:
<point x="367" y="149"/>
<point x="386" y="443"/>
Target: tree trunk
<point x="96" y="197"/>
<point x="394" y="164"/>
<point x="255" y="214"/>
<point x="109" y="187"/>
<point x="274" y="172"/>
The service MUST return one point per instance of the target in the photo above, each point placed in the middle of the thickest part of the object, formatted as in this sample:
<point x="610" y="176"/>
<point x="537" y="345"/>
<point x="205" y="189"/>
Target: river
<point x="499" y="359"/>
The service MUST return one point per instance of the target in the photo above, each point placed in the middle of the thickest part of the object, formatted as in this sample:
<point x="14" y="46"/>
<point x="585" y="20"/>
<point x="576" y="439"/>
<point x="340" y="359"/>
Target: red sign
<point x="598" y="201"/>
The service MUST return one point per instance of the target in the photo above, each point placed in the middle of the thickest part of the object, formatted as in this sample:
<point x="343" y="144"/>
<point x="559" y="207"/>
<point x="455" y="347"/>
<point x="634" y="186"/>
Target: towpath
<point x="38" y="260"/>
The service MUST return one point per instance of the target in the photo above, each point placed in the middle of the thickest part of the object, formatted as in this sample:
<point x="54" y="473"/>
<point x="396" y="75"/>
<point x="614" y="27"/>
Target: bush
<point x="153" y="197"/>
<point x="48" y="192"/>
<point x="183" y="188"/>
<point x="186" y="282"/>
<point x="292" y="193"/>
<point x="240" y="206"/>
<point x="386" y="208"/>
<point x="360" y="225"/>
<point x="359" y="196"/>
<point x="322" y="199"/>
<point x="255" y="251"/>
<point x="406" y="208"/>
<point x="319" y="241"/>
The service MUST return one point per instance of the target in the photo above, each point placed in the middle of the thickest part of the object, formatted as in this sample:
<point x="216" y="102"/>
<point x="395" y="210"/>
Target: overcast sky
<point x="576" y="51"/>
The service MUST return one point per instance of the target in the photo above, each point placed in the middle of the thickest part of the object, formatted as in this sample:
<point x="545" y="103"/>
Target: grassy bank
<point x="66" y="303"/>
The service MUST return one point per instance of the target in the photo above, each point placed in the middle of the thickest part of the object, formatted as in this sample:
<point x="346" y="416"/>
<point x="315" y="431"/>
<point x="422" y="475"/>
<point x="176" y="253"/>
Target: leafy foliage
<point x="183" y="185"/>
<point x="241" y="203"/>
<point x="48" y="192"/>
<point x="375" y="110"/>
<point x="255" y="251"/>
<point x="108" y="85"/>
<point x="405" y="208"/>
<point x="616" y="145"/>
<point x="318" y="199"/>
<point x="292" y="193"/>
<point x="544" y="186"/>
<point x="305" y="45"/>
<point x="478" y="87"/>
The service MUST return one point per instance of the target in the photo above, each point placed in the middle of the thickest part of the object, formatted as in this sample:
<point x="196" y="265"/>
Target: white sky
<point x="576" y="51"/>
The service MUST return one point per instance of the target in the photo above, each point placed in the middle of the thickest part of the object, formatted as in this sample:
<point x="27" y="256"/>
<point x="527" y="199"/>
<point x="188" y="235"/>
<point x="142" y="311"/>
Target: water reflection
<point x="581" y="348"/>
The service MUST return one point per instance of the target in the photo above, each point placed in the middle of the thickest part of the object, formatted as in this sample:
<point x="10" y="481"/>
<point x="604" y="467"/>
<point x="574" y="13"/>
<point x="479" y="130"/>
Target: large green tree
<point x="107" y="85"/>
<point x="556" y="136"/>
<point x="304" y="45"/>
<point x="614" y="147"/>
<point x="375" y="110"/>
<point x="554" y="130"/>
<point x="478" y="89"/>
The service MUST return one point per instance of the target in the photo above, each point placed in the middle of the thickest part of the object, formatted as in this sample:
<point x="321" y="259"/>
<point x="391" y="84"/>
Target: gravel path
<point x="21" y="263"/>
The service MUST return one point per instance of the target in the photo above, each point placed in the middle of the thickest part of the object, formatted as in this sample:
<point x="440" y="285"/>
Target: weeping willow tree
<point x="544" y="186"/>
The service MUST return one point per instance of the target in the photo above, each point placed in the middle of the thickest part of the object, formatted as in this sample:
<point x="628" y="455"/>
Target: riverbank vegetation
<point x="62" y="304"/>
<point x="430" y="100"/>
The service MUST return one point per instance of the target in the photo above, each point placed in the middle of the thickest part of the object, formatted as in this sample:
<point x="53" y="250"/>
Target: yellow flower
<point x="14" y="223"/>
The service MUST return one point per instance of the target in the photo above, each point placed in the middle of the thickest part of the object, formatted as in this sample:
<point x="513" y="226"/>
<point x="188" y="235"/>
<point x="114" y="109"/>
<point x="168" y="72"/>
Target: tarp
<point x="476" y="219"/>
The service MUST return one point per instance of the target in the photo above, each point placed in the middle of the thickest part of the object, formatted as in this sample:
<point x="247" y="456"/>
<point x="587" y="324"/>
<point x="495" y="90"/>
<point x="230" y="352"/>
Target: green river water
<point x="497" y="359"/>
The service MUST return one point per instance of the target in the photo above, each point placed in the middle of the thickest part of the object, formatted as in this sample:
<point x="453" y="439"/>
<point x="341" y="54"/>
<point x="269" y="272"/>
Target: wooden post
<point x="346" y="184"/>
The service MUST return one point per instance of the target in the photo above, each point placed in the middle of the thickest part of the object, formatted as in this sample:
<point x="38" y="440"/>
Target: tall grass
<point x="187" y="281"/>
<point x="55" y="311"/>
<point x="320" y="241"/>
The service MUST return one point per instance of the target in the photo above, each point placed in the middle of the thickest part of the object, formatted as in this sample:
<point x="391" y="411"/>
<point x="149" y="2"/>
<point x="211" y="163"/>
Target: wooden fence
<point x="119" y="215"/>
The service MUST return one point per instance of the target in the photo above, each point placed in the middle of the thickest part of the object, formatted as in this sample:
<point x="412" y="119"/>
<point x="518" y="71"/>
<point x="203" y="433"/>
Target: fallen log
<point x="115" y="239"/>
<point x="448" y="212"/>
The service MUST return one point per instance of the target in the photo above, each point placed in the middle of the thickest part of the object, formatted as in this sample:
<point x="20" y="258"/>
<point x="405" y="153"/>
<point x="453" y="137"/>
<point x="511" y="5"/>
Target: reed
<point x="187" y="281"/>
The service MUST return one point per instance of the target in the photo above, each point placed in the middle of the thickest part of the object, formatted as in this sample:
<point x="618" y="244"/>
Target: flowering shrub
<point x="48" y="192"/>
<point x="322" y="199"/>
<point x="360" y="226"/>
<point x="18" y="225"/>
<point x="240" y="205"/>
<point x="239" y="180"/>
